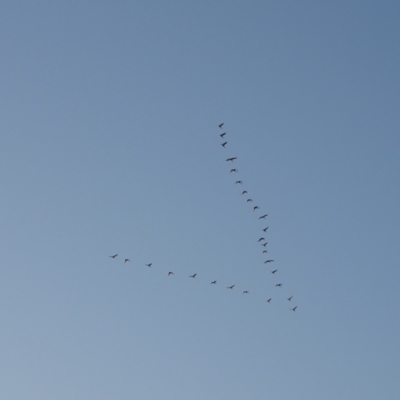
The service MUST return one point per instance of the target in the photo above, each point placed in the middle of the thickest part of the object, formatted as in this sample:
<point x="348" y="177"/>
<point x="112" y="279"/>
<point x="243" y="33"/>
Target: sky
<point x="110" y="145"/>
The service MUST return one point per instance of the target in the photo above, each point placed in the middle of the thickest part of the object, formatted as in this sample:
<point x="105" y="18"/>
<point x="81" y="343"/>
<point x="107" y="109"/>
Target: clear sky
<point x="110" y="144"/>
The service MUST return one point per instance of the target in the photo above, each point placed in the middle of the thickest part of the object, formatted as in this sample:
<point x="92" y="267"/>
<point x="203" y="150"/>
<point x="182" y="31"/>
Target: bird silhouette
<point x="115" y="255"/>
<point x="263" y="216"/>
<point x="265" y="229"/>
<point x="290" y="298"/>
<point x="149" y="265"/>
<point x="233" y="170"/>
<point x="264" y="244"/>
<point x="274" y="271"/>
<point x="213" y="283"/>
<point x="230" y="287"/>
<point x="261" y="239"/>
<point x="222" y="134"/>
<point x="170" y="273"/>
<point x="238" y="182"/>
<point x="249" y="201"/>
<point x="269" y="300"/>
<point x="256" y="208"/>
<point x="224" y="144"/>
<point x="126" y="260"/>
<point x="279" y="285"/>
<point x="221" y="125"/>
<point x="193" y="276"/>
<point x="265" y="251"/>
<point x="244" y="192"/>
<point x="268" y="261"/>
<point x="231" y="159"/>
<point x="294" y="308"/>
<point x="245" y="292"/>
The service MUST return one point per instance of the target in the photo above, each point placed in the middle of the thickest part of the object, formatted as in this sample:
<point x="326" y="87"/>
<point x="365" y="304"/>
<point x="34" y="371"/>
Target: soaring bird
<point x="170" y="273"/>
<point x="222" y="134"/>
<point x="290" y="298"/>
<point x="221" y="125"/>
<point x="264" y="244"/>
<point x="245" y="292"/>
<point x="261" y="239"/>
<point x="126" y="260"/>
<point x="224" y="144"/>
<point x="149" y="265"/>
<point x="213" y="283"/>
<point x="265" y="229"/>
<point x="233" y="170"/>
<point x="263" y="216"/>
<point x="256" y="208"/>
<point x="268" y="261"/>
<point x="230" y="287"/>
<point x="231" y="159"/>
<point x="294" y="308"/>
<point x="193" y="276"/>
<point x="269" y="300"/>
<point x="249" y="201"/>
<point x="244" y="192"/>
<point x="274" y="271"/>
<point x="238" y="182"/>
<point x="265" y="251"/>
<point x="115" y="255"/>
<point x="278" y="284"/>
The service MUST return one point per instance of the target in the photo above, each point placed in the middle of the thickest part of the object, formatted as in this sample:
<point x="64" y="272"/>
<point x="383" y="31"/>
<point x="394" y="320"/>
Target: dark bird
<point x="265" y="229"/>
<point x="231" y="159"/>
<point x="213" y="283"/>
<point x="126" y="260"/>
<point x="224" y="144"/>
<point x="115" y="255"/>
<point x="149" y="265"/>
<point x="261" y="239"/>
<point x="222" y="134"/>
<point x="244" y="192"/>
<point x="264" y="244"/>
<point x="294" y="308"/>
<point x="230" y="287"/>
<point x="238" y="182"/>
<point x="193" y="276"/>
<point x="268" y="261"/>
<point x="278" y="284"/>
<point x="221" y="125"/>
<point x="245" y="292"/>
<point x="249" y="201"/>
<point x="269" y="300"/>
<point x="290" y="298"/>
<point x="274" y="271"/>
<point x="170" y="273"/>
<point x="265" y="251"/>
<point x="263" y="216"/>
<point x="233" y="170"/>
<point x="256" y="208"/>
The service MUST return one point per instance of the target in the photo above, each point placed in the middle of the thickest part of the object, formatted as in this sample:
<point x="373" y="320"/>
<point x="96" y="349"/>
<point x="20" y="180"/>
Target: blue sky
<point x="109" y="144"/>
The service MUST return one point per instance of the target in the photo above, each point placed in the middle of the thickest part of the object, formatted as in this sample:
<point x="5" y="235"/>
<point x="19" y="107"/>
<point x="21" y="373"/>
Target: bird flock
<point x="263" y="241"/>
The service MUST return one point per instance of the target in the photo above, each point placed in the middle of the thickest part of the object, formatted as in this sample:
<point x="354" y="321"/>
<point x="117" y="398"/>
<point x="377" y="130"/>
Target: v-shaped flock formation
<point x="262" y="240"/>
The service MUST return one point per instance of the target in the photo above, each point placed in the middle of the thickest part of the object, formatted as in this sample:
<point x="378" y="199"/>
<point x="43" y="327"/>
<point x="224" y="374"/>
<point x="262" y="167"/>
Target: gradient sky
<point x="109" y="144"/>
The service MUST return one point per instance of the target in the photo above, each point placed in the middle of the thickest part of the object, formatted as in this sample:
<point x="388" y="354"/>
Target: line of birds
<point x="262" y="240"/>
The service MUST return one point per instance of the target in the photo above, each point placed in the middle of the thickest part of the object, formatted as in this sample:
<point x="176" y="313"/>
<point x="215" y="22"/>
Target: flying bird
<point x="149" y="265"/>
<point x="256" y="208"/>
<point x="221" y="125"/>
<point x="290" y="298"/>
<point x="264" y="244"/>
<point x="245" y="291"/>
<point x="269" y="300"/>
<point x="213" y="283"/>
<point x="278" y="284"/>
<point x="170" y="273"/>
<point x="222" y="134"/>
<point x="224" y="144"/>
<point x="233" y="170"/>
<point x="126" y="260"/>
<point x="265" y="229"/>
<point x="193" y="276"/>
<point x="238" y="182"/>
<point x="274" y="271"/>
<point x="230" y="287"/>
<point x="294" y="308"/>
<point x="268" y="261"/>
<point x="115" y="255"/>
<point x="263" y="216"/>
<point x="244" y="192"/>
<point x="261" y="239"/>
<point x="265" y="251"/>
<point x="231" y="159"/>
<point x="249" y="201"/>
